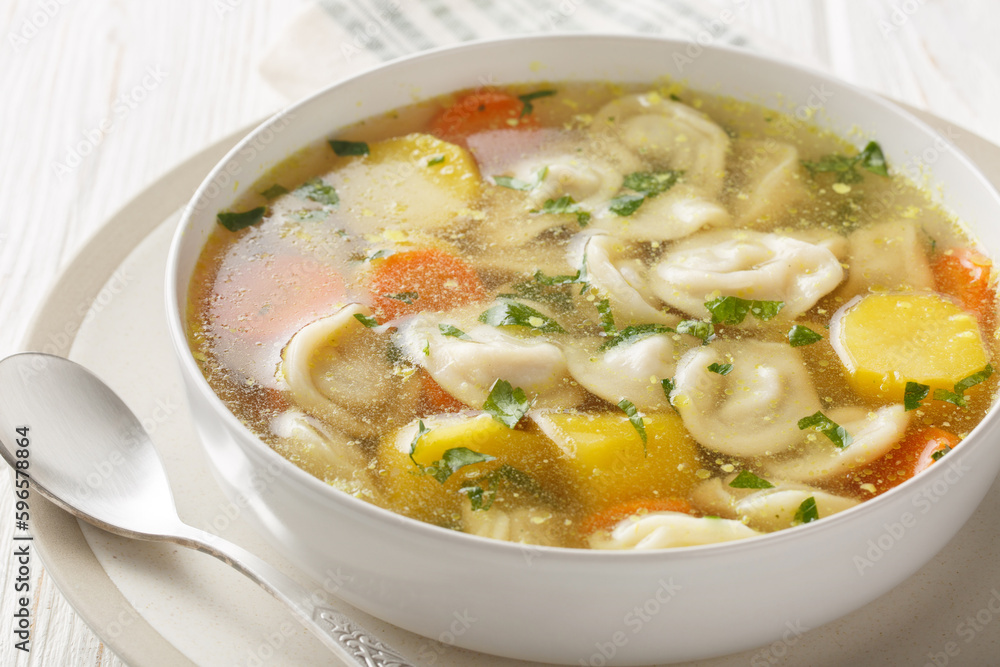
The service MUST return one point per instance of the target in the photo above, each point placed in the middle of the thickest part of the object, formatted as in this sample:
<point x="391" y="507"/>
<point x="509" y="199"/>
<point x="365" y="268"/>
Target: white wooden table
<point x="103" y="96"/>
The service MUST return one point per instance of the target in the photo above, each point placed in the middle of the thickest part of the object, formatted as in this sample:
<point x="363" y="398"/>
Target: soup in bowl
<point x="603" y="339"/>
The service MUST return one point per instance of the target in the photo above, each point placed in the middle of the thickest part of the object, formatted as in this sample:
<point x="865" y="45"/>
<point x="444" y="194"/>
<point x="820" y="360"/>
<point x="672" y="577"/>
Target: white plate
<point x="158" y="604"/>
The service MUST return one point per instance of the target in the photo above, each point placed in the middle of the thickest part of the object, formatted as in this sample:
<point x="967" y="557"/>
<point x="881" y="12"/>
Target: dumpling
<point x="767" y="182"/>
<point x="888" y="256"/>
<point x="466" y="367"/>
<point x="669" y="135"/>
<point x="752" y="410"/>
<point x="630" y="370"/>
<point x="873" y="434"/>
<point x="676" y="213"/>
<point x="765" y="510"/>
<point x="524" y="525"/>
<point x="746" y="264"/>
<point x="337" y="369"/>
<point x="662" y="530"/>
<point x="622" y="281"/>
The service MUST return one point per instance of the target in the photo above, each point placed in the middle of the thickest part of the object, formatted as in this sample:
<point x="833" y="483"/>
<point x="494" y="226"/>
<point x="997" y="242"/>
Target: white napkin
<point x="332" y="39"/>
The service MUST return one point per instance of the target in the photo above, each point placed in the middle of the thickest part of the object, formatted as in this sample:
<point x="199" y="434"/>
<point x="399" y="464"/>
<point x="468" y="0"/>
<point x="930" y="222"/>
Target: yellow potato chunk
<point x="887" y="340"/>
<point x="418" y="494"/>
<point x="416" y="181"/>
<point x="605" y="462"/>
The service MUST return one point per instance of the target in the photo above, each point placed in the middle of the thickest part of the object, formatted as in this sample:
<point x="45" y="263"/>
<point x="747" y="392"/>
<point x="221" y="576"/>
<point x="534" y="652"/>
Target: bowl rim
<point x="315" y="488"/>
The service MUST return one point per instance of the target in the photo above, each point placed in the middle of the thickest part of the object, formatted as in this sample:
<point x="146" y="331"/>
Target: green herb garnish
<point x="528" y="97"/>
<point x="518" y="184"/>
<point x="513" y="313"/>
<point x="318" y="191"/>
<point x="421" y="432"/>
<point x="435" y="159"/>
<point x="506" y="404"/>
<point x="939" y="453"/>
<point x="652" y="183"/>
<point x="913" y="394"/>
<point x="234" y="222"/>
<point x="453" y="460"/>
<point x="453" y="331"/>
<point x="274" y="192"/>
<point x="563" y="205"/>
<point x="748" y="480"/>
<point x="309" y="214"/>
<point x="366" y="320"/>
<point x="348" y="148"/>
<point x="721" y="369"/>
<point x="634" y="333"/>
<point x="733" y="309"/>
<point x="607" y="317"/>
<point x="482" y="491"/>
<point x="406" y="297"/>
<point x="625" y="205"/>
<point x="870" y="158"/>
<point x="633" y="416"/>
<point x="837" y="434"/>
<point x="958" y="397"/>
<point x="799" y="335"/>
<point x="807" y="511"/>
<point x="697" y="328"/>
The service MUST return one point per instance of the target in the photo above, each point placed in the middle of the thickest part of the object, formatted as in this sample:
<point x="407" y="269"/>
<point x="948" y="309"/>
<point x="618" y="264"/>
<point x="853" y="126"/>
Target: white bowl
<point x="575" y="606"/>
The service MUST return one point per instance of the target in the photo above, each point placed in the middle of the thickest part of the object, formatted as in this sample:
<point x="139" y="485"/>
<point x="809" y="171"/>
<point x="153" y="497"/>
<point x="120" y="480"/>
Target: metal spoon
<point x="78" y="425"/>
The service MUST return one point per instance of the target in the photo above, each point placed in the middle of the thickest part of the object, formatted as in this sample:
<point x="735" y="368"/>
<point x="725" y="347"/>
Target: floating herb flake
<point x="513" y="313"/>
<point x="506" y="404"/>
<point x="807" y="511"/>
<point x="435" y="159"/>
<point x="733" y="309"/>
<point x="625" y="205"/>
<point x="527" y="99"/>
<point x="836" y="433"/>
<point x="913" y="394"/>
<point x="939" y="453"/>
<point x="870" y="158"/>
<point x="565" y="205"/>
<point x="800" y="335"/>
<point x="274" y="192"/>
<point x="406" y="297"/>
<point x="652" y="183"/>
<point x="697" y="328"/>
<point x="318" y="191"/>
<point x="607" y="317"/>
<point x="518" y="184"/>
<point x="958" y="397"/>
<point x="721" y="369"/>
<point x="633" y="416"/>
<point x="366" y="320"/>
<point x="453" y="460"/>
<point x="634" y="333"/>
<point x="453" y="331"/>
<point x="234" y="222"/>
<point x="348" y="148"/>
<point x="748" y="480"/>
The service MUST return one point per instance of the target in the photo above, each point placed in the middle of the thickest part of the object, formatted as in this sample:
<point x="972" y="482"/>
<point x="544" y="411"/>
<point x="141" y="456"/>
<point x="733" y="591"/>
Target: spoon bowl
<point x="89" y="454"/>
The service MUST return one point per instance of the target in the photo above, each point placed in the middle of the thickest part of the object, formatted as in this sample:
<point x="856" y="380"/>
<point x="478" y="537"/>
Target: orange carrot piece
<point x="914" y="454"/>
<point x="965" y="274"/>
<point x="481" y="112"/>
<point x="434" y="400"/>
<point x="410" y="282"/>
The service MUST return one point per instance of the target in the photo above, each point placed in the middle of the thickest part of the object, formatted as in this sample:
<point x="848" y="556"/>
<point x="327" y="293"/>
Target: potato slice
<point x="415" y="493"/>
<point x="603" y="456"/>
<point x="887" y="340"/>
<point x="416" y="181"/>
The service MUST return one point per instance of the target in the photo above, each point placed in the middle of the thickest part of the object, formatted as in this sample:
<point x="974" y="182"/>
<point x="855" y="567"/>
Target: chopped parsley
<point x="870" y="158"/>
<point x="406" y="297"/>
<point x="421" y="432"/>
<point x="482" y="491"/>
<point x="348" y="148"/>
<point x="939" y="453"/>
<point x="647" y="184"/>
<point x="274" y="192"/>
<point x="958" y="397"/>
<point x="453" y="460"/>
<point x="836" y="433"/>
<point x="318" y="191"/>
<point x="634" y="333"/>
<point x="524" y="186"/>
<point x="435" y="159"/>
<point x="607" y="317"/>
<point x="721" y="369"/>
<point x="564" y="205"/>
<point x="506" y="404"/>
<point x="733" y="309"/>
<point x="625" y="205"/>
<point x="913" y="394"/>
<point x="807" y="511"/>
<point x="748" y="480"/>
<point x="366" y="320"/>
<point x="455" y="332"/>
<point x="234" y="222"/>
<point x="527" y="99"/>
<point x="633" y="416"/>
<point x="513" y="313"/>
<point x="800" y="335"/>
<point x="308" y="214"/>
<point x="697" y="328"/>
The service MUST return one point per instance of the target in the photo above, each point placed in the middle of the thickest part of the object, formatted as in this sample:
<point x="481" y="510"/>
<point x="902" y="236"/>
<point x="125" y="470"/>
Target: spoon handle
<point x="351" y="642"/>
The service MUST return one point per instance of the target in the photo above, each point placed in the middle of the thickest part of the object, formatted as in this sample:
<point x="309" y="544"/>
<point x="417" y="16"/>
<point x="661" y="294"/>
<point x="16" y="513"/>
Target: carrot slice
<point x="914" y="454"/>
<point x="964" y="274"/>
<point x="410" y="282"/>
<point x="271" y="299"/>
<point x="481" y="112"/>
<point x="606" y="519"/>
<point x="434" y="399"/>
